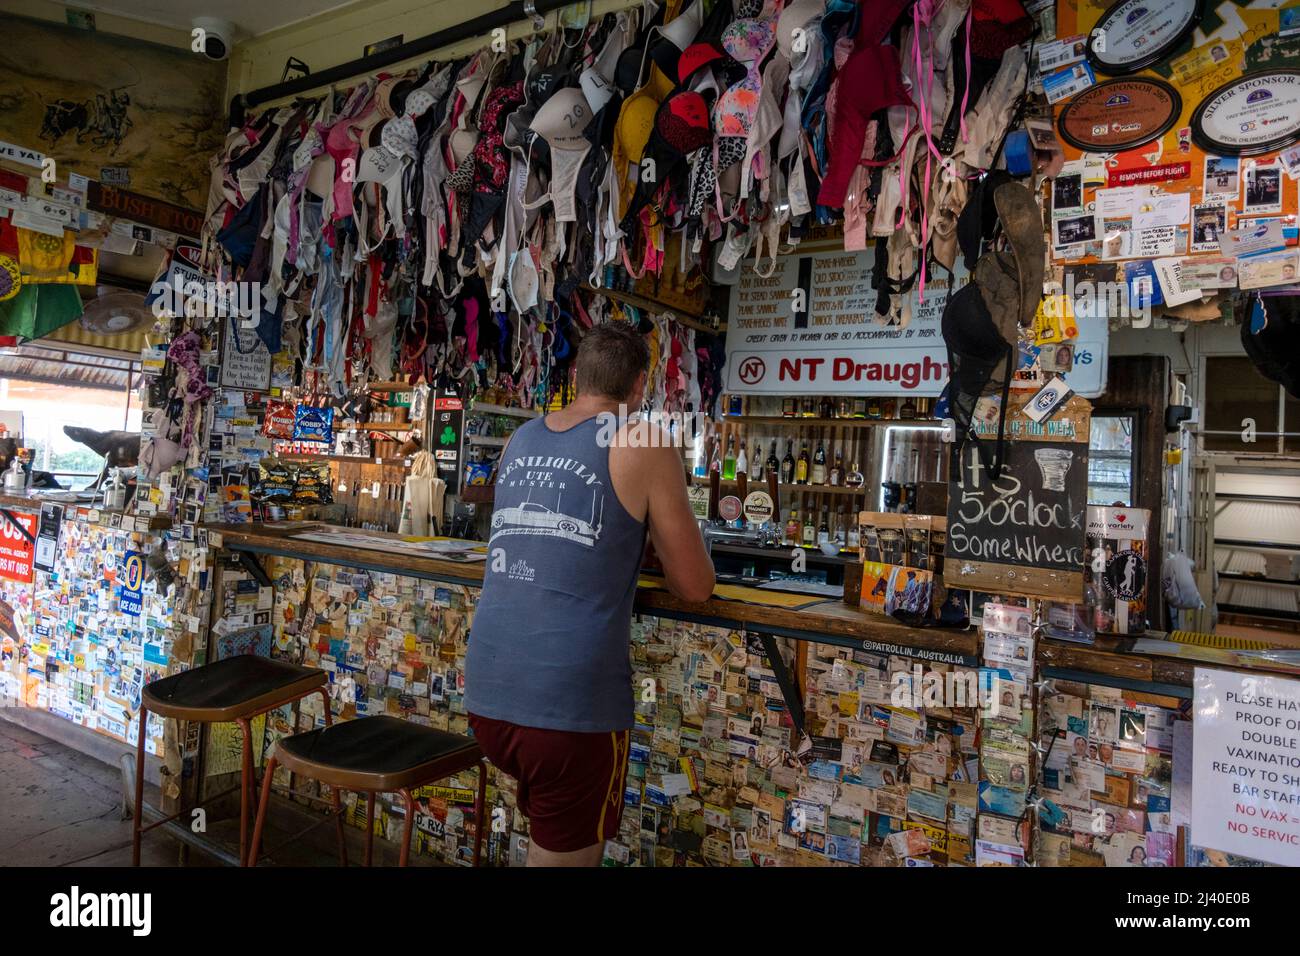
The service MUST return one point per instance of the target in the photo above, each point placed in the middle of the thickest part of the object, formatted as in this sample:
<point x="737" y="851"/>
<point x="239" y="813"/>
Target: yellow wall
<point x="342" y="35"/>
<point x="104" y="22"/>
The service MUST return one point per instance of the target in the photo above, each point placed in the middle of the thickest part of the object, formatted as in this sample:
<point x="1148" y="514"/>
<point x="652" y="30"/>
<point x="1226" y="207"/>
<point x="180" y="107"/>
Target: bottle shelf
<point x="761" y="485"/>
<point x="832" y="422"/>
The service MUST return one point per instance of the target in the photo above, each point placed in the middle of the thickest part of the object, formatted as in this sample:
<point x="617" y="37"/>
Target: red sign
<point x="16" y="552"/>
<point x="1148" y="174"/>
<point x="152" y="212"/>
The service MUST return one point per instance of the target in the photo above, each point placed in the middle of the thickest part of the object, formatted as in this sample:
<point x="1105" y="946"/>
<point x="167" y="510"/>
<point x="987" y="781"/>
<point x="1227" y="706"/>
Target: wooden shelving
<point x="362" y="459"/>
<point x="487" y="408"/>
<point x="793" y="489"/>
<point x="781" y="420"/>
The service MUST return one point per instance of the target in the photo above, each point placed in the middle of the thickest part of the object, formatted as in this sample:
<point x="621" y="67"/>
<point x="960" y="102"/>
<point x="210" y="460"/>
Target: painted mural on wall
<point x="124" y="112"/>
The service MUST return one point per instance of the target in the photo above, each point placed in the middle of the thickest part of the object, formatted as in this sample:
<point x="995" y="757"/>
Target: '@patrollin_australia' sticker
<point x="1120" y="114"/>
<point x="1253" y="114"/>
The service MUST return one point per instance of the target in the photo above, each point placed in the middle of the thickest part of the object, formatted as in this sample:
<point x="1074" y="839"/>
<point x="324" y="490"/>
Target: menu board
<point x="811" y="328"/>
<point x="1024" y="533"/>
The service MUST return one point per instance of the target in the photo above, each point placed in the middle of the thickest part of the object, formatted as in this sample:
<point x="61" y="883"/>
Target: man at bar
<point x="548" y="680"/>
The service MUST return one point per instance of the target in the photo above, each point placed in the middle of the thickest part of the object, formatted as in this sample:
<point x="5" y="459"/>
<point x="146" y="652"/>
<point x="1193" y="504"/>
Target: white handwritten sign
<point x="1246" y="765"/>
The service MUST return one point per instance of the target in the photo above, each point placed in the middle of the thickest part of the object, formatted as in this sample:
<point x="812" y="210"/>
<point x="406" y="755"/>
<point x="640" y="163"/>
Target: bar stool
<point x="236" y="689"/>
<point x="377" y="755"/>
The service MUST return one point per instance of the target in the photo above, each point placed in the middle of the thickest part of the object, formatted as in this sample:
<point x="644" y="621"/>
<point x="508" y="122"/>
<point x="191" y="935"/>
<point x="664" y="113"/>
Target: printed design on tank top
<point x="563" y="499"/>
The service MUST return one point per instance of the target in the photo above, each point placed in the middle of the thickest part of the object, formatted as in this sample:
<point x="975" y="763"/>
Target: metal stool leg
<point x="480" y="807"/>
<point x="138" y="816"/>
<point x="262" y="806"/>
<point x="246" y="798"/>
<point x="370" y="827"/>
<point x="409" y="825"/>
<point x="334" y="791"/>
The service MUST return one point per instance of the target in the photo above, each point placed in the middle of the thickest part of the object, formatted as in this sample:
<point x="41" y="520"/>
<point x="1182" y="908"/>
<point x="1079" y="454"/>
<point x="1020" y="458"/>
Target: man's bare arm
<point x="674" y="528"/>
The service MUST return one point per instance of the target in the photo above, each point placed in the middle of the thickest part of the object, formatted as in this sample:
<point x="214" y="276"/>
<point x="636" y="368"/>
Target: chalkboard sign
<point x="1024" y="533"/>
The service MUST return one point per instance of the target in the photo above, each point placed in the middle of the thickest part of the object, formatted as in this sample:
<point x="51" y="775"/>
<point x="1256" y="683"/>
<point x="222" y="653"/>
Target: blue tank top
<point x="549" y="645"/>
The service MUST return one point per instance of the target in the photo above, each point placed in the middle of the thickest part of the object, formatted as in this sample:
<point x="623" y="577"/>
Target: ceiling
<point x="252" y="17"/>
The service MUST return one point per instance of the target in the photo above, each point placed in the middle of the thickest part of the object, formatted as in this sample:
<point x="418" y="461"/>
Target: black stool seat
<point x="377" y="754"/>
<point x="231" y="689"/>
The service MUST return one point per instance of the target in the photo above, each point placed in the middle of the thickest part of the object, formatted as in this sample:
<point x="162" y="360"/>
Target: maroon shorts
<point x="570" y="784"/>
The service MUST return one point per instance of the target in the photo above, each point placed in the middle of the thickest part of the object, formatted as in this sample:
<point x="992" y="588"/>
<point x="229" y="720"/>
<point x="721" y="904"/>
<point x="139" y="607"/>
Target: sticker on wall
<point x="1257" y="113"/>
<point x="1120" y="114"/>
<point x="1135" y="34"/>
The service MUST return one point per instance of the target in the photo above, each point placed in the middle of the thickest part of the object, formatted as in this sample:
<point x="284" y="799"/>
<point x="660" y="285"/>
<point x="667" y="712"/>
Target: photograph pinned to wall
<point x="1201" y="273"/>
<point x="1073" y="231"/>
<point x="1209" y="221"/>
<point x="1275" y="269"/>
<point x="1290" y="160"/>
<point x="1067" y="195"/>
<point x="1263" y="189"/>
<point x="1221" y="177"/>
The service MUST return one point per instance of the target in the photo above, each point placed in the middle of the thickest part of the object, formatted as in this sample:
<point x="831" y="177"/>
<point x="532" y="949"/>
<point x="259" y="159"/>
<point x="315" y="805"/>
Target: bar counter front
<point x="726" y="690"/>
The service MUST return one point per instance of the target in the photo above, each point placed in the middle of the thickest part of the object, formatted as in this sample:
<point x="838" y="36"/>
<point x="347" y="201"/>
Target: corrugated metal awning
<point x="34" y="363"/>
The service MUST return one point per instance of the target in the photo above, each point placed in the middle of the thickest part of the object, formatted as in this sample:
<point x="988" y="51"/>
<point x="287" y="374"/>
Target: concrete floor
<point x="61" y="808"/>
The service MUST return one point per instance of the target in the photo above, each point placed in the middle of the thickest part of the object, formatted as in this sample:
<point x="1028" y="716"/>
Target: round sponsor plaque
<point x="1120" y="114"/>
<point x="1135" y="34"/>
<point x="729" y="508"/>
<point x="758" y="507"/>
<point x="1256" y="113"/>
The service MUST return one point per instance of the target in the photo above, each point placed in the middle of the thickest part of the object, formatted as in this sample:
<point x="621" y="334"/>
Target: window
<point x="1245" y="412"/>
<point x="47" y="389"/>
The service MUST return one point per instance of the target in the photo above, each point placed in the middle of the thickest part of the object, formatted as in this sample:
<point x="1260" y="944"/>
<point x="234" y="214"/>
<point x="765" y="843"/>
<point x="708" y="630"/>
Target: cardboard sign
<point x="1245" y="747"/>
<point x="47" y="536"/>
<point x="1025" y="532"/>
<point x="16" y="552"/>
<point x="245" y="362"/>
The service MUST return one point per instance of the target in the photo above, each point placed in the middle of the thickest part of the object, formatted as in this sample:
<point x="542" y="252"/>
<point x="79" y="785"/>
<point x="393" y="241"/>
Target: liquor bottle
<point x="787" y="464"/>
<point x="742" y="463"/>
<point x="773" y="466"/>
<point x="824" y="529"/>
<point x="841" y="528"/>
<point x="808" y="407"/>
<point x="801" y="467"/>
<point x="756" y="464"/>
<point x="908" y="411"/>
<point x="826" y="408"/>
<point x="854" y="478"/>
<point x="809" y="530"/>
<point x="844" y="408"/>
<point x="819" y="465"/>
<point x="873" y="407"/>
<point x="789" y="407"/>
<point x="793" y="530"/>
<point x="860" y="407"/>
<point x="715" y="463"/>
<point x="729" y="462"/>
<point x="837" y="469"/>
